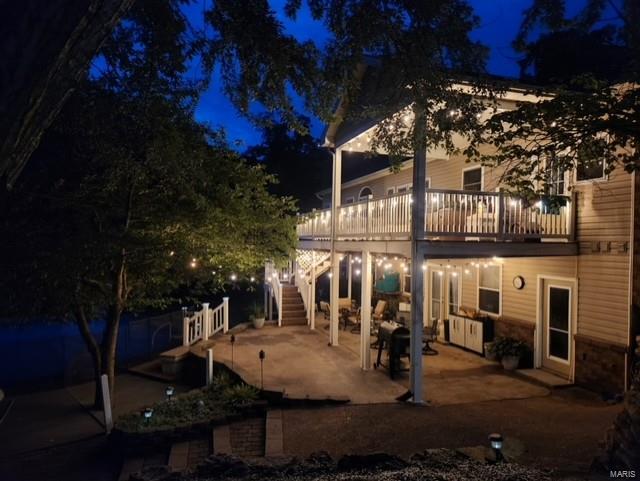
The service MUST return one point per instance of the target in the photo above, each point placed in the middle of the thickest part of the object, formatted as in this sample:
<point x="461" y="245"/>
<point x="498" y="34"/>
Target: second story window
<point x="590" y="171"/>
<point x="555" y="178"/>
<point x="472" y="179"/>
<point x="365" y="193"/>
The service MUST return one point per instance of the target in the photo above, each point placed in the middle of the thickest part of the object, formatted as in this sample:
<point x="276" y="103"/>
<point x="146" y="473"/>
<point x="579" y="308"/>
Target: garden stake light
<point x="495" y="439"/>
<point x="169" y="391"/>
<point x="262" y="356"/>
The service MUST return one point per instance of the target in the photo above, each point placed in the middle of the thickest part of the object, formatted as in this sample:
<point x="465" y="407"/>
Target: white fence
<point x="205" y="323"/>
<point x="273" y="277"/>
<point x="448" y="213"/>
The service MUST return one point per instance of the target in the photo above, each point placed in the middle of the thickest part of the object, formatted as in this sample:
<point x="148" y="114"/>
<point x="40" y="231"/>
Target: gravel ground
<point x="440" y="465"/>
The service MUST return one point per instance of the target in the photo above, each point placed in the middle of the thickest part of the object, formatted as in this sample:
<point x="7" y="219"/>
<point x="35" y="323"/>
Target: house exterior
<point x="560" y="276"/>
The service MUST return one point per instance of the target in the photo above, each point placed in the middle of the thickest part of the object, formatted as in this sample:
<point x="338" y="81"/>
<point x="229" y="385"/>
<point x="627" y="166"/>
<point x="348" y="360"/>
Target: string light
<point x="172" y="253"/>
<point x="330" y="275"/>
<point x="253" y="279"/>
<point x="193" y="263"/>
<point x="357" y="272"/>
<point x="233" y="277"/>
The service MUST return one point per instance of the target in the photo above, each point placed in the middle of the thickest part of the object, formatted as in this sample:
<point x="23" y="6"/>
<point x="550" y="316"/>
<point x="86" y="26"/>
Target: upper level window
<point x="365" y="193"/>
<point x="403" y="189"/>
<point x="489" y="289"/>
<point x="391" y="191"/>
<point x="348" y="200"/>
<point x="555" y="178"/>
<point x="590" y="171"/>
<point x="472" y="179"/>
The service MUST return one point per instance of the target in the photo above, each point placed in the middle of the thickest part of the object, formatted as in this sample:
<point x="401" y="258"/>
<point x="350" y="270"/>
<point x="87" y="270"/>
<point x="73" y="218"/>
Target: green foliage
<point x="221" y="398"/>
<point x="508" y="346"/>
<point x="239" y="395"/>
<point x="257" y="312"/>
<point x="591" y="118"/>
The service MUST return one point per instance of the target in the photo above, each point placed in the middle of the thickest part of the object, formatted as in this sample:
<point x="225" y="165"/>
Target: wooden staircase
<point x="293" y="311"/>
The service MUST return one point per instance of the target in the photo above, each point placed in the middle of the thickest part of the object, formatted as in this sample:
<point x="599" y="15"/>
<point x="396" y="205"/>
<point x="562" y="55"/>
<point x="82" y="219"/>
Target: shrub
<point x="508" y="346"/>
<point x="239" y="395"/>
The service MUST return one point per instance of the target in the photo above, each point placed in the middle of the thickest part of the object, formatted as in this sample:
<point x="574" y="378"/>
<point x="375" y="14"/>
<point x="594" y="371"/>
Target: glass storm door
<point x="436" y="296"/>
<point x="557" y="314"/>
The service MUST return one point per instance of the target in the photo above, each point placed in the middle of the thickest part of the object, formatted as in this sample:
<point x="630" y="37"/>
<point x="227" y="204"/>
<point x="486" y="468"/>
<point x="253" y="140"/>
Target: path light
<point x="495" y="440"/>
<point x="147" y="413"/>
<point x="261" y="355"/>
<point x="233" y="341"/>
<point x="169" y="391"/>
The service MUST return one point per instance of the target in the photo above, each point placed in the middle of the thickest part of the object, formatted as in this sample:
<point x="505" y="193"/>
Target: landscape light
<point x="147" y="413"/>
<point x="496" y="441"/>
<point x="169" y="392"/>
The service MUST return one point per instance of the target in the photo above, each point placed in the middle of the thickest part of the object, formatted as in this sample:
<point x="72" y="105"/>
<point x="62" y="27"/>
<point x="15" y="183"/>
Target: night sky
<point x="500" y="20"/>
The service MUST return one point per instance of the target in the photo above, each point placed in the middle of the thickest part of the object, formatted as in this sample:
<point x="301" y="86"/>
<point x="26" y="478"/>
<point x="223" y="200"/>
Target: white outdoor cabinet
<point x="457" y="330"/>
<point x="469" y="333"/>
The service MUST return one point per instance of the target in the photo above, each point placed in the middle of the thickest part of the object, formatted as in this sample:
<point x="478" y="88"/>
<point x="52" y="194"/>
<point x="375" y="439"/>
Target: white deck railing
<point x="449" y="213"/>
<point x="272" y="276"/>
<point x="205" y="323"/>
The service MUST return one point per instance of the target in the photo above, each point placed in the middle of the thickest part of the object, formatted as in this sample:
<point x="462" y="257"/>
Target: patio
<point x="300" y="362"/>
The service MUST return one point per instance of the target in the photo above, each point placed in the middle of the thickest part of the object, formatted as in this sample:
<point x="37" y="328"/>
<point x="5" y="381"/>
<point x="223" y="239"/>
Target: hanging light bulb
<point x="172" y="253"/>
<point x="233" y="277"/>
<point x="253" y="279"/>
<point x="357" y="272"/>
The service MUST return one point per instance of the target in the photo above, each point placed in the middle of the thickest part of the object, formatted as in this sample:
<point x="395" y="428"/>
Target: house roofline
<point x="365" y="178"/>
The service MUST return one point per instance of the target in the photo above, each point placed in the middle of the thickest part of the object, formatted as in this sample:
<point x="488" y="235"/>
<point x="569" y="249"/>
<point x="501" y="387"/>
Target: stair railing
<point x="205" y="323"/>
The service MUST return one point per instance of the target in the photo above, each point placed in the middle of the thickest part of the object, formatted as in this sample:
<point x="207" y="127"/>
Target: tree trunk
<point x="94" y="351"/>
<point x="109" y="347"/>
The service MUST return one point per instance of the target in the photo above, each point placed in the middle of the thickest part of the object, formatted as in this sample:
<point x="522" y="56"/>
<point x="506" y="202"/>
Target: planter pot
<point x="510" y="363"/>
<point x="489" y="353"/>
<point x="258" y="322"/>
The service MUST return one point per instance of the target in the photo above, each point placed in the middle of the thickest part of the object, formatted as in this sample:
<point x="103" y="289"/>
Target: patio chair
<point x="355" y="320"/>
<point x="378" y="312"/>
<point x="429" y="335"/>
<point x="325" y="308"/>
<point x="377" y="316"/>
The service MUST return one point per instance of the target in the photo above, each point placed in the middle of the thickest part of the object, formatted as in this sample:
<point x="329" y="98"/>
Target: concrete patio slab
<point x="300" y="363"/>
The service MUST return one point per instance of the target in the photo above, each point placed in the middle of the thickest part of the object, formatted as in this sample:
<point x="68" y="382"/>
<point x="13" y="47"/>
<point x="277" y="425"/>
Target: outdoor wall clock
<point x="518" y="282"/>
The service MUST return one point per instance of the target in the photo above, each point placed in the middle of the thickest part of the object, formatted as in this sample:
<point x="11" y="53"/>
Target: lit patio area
<point x="300" y="363"/>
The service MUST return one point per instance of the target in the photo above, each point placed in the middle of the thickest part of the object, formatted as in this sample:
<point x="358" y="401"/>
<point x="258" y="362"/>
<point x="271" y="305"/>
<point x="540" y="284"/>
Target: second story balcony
<point x="449" y="214"/>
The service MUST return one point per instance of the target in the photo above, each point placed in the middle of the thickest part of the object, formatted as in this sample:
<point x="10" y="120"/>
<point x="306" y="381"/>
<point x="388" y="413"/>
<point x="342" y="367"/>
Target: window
<point x="348" y="200"/>
<point x="489" y="289"/>
<point x="472" y="179"/>
<point x="365" y="193"/>
<point x="391" y="191"/>
<point x="554" y="178"/>
<point x="404" y="188"/>
<point x="436" y="294"/>
<point x="590" y="171"/>
<point x="454" y="293"/>
<point x="406" y="281"/>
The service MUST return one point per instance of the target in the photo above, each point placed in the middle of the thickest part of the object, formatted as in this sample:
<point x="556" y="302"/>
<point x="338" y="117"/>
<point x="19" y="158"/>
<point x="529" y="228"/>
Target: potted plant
<point x="509" y="350"/>
<point x="257" y="316"/>
<point x="490" y="351"/>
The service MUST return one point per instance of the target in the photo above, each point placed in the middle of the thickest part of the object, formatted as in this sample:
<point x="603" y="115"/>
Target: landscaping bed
<point x="188" y="415"/>
<point x="437" y="464"/>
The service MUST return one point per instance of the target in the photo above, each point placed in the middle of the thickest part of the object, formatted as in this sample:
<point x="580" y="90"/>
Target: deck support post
<point x="312" y="292"/>
<point x="349" y="276"/>
<point x="365" y="311"/>
<point x="336" y="186"/>
<point x="417" y="253"/>
<point x="206" y="321"/>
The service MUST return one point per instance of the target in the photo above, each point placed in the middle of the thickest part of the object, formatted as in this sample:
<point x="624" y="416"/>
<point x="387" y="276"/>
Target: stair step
<point x="295" y="322"/>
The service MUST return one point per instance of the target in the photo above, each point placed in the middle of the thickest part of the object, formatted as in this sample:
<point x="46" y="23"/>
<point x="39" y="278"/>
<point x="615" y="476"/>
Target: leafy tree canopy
<point x="590" y="120"/>
<point x="299" y="164"/>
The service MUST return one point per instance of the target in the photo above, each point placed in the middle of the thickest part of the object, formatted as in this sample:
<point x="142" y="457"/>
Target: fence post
<point x="106" y="403"/>
<point x="206" y="321"/>
<point x="225" y="314"/>
<point x="209" y="366"/>
<point x="185" y="327"/>
<point x="501" y="229"/>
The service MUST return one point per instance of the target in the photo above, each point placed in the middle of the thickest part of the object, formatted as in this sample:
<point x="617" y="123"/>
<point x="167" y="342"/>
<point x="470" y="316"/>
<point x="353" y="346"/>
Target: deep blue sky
<point x="500" y="20"/>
